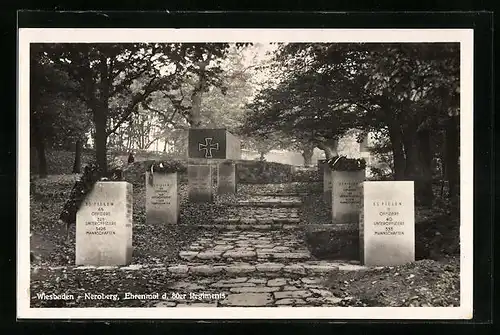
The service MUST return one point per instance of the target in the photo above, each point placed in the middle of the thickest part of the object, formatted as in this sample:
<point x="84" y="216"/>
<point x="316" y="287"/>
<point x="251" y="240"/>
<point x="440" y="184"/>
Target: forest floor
<point x="433" y="280"/>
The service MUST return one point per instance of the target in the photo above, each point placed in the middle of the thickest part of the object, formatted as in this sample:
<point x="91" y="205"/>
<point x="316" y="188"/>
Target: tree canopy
<point x="408" y="90"/>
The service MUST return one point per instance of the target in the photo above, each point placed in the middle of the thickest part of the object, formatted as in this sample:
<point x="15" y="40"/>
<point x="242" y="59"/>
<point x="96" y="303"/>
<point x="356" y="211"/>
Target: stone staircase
<point x="255" y="261"/>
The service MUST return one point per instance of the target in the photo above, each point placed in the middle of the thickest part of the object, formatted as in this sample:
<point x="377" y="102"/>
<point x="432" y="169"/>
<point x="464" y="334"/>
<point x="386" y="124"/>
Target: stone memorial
<point x="213" y="144"/>
<point x="204" y="147"/>
<point x="104" y="225"/>
<point x="387" y="223"/>
<point x="226" y="178"/>
<point x="346" y="195"/>
<point x="162" y="200"/>
<point x="200" y="183"/>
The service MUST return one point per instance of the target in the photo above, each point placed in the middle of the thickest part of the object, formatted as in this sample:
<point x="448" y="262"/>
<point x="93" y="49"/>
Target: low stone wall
<point x="307" y="175"/>
<point x="256" y="172"/>
<point x="248" y="172"/>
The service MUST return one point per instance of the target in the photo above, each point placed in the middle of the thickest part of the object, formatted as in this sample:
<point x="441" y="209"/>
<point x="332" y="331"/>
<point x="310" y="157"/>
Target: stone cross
<point x="208" y="147"/>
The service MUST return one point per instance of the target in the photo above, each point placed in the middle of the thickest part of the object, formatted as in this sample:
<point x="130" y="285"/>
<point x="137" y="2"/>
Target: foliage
<point x="329" y="88"/>
<point x="408" y="90"/>
<point x="58" y="117"/>
<point x="115" y="79"/>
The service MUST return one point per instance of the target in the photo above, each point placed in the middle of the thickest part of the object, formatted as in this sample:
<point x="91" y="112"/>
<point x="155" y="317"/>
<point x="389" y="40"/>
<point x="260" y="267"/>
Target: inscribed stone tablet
<point x="104" y="225"/>
<point x="346" y="195"/>
<point x="226" y="178"/>
<point x="162" y="200"/>
<point x="387" y="223"/>
<point x="200" y="183"/>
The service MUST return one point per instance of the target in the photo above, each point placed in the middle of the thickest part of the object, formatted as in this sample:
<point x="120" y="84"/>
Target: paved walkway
<point x="256" y="267"/>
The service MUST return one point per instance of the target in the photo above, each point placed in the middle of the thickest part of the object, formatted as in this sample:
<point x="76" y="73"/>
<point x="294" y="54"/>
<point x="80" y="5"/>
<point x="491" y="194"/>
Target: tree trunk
<point x="196" y="97"/>
<point x="329" y="148"/>
<point x="164" y="145"/>
<point x="262" y="156"/>
<point x="398" y="154"/>
<point x="414" y="168"/>
<point x="42" y="159"/>
<point x="195" y="114"/>
<point x="307" y="154"/>
<point x="39" y="144"/>
<point x="120" y="138"/>
<point x="78" y="157"/>
<point x="100" y="118"/>
<point x="425" y="153"/>
<point x="452" y="165"/>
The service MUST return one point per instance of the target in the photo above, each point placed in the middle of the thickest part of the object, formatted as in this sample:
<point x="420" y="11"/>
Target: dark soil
<point x="425" y="283"/>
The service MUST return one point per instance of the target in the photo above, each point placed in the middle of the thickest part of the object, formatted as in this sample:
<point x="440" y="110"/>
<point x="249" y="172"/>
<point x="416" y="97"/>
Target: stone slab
<point x="213" y="144"/>
<point x="162" y="199"/>
<point x="226" y="178"/>
<point x="346" y="196"/>
<point x="387" y="223"/>
<point x="200" y="183"/>
<point x="104" y="226"/>
<point x="327" y="183"/>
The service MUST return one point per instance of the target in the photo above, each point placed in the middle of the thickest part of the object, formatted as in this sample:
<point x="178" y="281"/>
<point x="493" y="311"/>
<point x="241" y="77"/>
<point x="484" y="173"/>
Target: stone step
<point x="244" y="245"/>
<point x="249" y="221"/>
<point x="249" y="203"/>
<point x="279" y="224"/>
<point x="288" y="194"/>
<point x="253" y="227"/>
<point x="223" y="270"/>
<point x="282" y="254"/>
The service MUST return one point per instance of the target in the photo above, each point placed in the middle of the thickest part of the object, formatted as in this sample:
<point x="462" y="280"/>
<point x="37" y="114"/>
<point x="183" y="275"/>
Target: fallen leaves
<point x="422" y="283"/>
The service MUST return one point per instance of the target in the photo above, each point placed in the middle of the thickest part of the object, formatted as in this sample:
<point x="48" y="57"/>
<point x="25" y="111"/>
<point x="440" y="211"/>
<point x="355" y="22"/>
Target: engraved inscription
<point x="389" y="220"/>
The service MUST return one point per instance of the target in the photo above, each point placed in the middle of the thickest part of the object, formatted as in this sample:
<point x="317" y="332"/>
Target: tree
<point x="221" y="103"/>
<point x="130" y="73"/>
<point x="58" y="118"/>
<point x="406" y="89"/>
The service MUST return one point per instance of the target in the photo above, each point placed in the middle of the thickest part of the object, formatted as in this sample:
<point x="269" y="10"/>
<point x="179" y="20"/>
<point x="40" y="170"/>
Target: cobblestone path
<point x="257" y="267"/>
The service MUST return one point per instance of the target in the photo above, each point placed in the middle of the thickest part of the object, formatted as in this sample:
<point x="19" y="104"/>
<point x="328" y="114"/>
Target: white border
<point x="464" y="36"/>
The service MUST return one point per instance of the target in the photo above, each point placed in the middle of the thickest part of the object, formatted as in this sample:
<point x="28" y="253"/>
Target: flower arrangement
<point x="167" y="167"/>
<point x="91" y="175"/>
<point x="342" y="163"/>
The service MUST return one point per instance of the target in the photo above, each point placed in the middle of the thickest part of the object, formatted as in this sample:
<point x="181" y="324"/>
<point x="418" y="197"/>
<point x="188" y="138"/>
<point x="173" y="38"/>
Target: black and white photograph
<point x="327" y="172"/>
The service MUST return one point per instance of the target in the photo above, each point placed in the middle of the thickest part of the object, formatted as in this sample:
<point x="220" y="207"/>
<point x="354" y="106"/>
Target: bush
<point x="249" y="172"/>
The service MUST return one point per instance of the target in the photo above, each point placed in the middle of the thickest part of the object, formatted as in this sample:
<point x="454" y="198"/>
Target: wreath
<point x="342" y="163"/>
<point x="165" y="167"/>
<point x="91" y="175"/>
